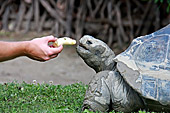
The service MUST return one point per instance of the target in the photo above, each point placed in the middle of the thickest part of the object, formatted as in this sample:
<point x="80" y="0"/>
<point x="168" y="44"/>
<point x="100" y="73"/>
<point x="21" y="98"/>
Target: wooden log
<point x="102" y="14"/>
<point x="53" y="3"/>
<point x="28" y="18"/>
<point x="20" y="16"/>
<point x="110" y="37"/>
<point x="114" y="23"/>
<point x="46" y="25"/>
<point x="89" y="6"/>
<point x="61" y="30"/>
<point x="130" y="20"/>
<point x="93" y="27"/>
<point x="143" y="17"/>
<point x="56" y="29"/>
<point x="119" y="40"/>
<point x="52" y="12"/>
<point x="146" y="27"/>
<point x="119" y="21"/>
<point x="157" y="18"/>
<point x="81" y="15"/>
<point x="70" y="6"/>
<point x="109" y="11"/>
<point x="98" y="5"/>
<point x="139" y="5"/>
<point x="60" y="11"/>
<point x="42" y="21"/>
<point x="5" y="19"/>
<point x="3" y="7"/>
<point x="36" y="14"/>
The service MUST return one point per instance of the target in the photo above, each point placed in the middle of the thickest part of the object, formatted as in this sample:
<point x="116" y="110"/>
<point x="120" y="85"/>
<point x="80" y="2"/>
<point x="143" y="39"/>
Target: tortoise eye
<point x="88" y="42"/>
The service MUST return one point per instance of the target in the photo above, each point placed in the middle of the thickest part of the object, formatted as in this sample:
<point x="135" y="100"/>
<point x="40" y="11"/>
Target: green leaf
<point x="62" y="108"/>
<point x="156" y="1"/>
<point x="161" y="1"/>
<point x="167" y="9"/>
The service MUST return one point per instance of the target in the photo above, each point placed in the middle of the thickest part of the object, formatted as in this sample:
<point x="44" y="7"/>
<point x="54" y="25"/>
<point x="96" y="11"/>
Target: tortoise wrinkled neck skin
<point x="96" y="53"/>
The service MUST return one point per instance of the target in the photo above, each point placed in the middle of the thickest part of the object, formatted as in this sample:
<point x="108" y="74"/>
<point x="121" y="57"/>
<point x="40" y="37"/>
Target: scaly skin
<point x="96" y="54"/>
<point x="107" y="90"/>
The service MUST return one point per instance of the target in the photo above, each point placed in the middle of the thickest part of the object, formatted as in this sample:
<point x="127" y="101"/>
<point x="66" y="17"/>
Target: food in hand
<point x="64" y="41"/>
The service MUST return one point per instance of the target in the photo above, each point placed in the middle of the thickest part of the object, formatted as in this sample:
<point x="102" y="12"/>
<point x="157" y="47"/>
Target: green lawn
<point x="42" y="98"/>
<point x="46" y="98"/>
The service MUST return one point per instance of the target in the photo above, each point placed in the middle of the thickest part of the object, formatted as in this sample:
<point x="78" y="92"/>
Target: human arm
<point x="36" y="49"/>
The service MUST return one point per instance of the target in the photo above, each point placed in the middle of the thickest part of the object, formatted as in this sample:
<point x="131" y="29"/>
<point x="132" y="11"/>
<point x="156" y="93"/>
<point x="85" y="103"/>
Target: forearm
<point x="10" y="50"/>
<point x="36" y="49"/>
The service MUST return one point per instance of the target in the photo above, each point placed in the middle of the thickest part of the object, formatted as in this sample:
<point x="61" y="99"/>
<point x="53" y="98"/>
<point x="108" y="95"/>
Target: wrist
<point x="26" y="46"/>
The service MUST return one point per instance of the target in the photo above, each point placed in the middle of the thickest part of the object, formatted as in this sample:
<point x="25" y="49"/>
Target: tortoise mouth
<point x="83" y="47"/>
<point x="82" y="50"/>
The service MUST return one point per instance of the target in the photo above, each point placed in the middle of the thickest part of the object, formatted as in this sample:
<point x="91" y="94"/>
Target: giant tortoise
<point x="138" y="78"/>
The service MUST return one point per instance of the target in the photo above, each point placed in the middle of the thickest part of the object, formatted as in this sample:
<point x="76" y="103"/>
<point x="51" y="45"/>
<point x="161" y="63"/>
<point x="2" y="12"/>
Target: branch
<point x="36" y="13"/>
<point x="52" y="12"/>
<point x="119" y="21"/>
<point x="20" y="15"/>
<point x="144" y="16"/>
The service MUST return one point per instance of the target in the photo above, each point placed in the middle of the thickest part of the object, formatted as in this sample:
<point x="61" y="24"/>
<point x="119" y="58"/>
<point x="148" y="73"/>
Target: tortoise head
<point x="96" y="53"/>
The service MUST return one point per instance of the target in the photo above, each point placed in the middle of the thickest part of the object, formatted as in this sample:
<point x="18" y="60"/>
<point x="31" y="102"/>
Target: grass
<point x="46" y="98"/>
<point x="4" y="33"/>
<point x="42" y="98"/>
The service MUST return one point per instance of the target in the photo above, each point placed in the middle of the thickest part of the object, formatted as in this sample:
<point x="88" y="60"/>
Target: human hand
<point x="38" y="49"/>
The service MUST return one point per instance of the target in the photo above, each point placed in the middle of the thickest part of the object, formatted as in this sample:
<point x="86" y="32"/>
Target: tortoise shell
<point x="145" y="65"/>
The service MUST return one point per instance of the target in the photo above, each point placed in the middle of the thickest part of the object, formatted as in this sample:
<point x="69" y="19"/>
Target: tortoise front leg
<point x="108" y="91"/>
<point x="97" y="96"/>
<point x="124" y="98"/>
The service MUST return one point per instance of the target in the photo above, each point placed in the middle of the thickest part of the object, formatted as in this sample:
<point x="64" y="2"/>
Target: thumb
<point x="50" y="38"/>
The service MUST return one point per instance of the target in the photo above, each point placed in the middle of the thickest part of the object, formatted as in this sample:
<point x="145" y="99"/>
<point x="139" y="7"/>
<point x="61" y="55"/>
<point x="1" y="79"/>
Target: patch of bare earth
<point x="67" y="68"/>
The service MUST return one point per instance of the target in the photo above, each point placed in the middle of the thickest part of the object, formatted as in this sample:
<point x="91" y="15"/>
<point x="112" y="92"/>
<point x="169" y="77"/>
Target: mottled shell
<point x="145" y="65"/>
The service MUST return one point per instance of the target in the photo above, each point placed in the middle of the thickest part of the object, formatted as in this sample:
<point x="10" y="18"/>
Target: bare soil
<point x="67" y="68"/>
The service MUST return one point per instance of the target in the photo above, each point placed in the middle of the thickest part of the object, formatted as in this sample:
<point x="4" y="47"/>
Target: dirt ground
<point x="67" y="68"/>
